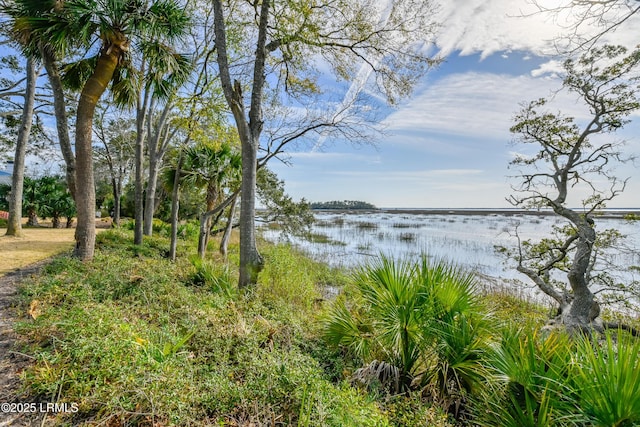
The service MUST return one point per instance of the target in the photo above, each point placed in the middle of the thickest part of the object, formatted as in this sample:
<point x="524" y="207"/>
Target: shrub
<point x="216" y="277"/>
<point x="414" y="324"/>
<point x="530" y="382"/>
<point x="606" y="380"/>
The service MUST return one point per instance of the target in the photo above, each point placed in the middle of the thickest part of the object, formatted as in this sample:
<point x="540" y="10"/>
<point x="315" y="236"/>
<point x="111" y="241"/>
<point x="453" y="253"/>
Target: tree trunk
<point x="205" y="217"/>
<point x="116" y="188"/>
<point x="86" y="192"/>
<point x="14" y="224"/>
<point x="139" y="166"/>
<point x="224" y="243"/>
<point x="150" y="203"/>
<point x="33" y="218"/>
<point x="212" y="199"/>
<point x="584" y="309"/>
<point x="175" y="209"/>
<point x="62" y="126"/>
<point x="251" y="262"/>
<point x="157" y="147"/>
<point x="249" y="132"/>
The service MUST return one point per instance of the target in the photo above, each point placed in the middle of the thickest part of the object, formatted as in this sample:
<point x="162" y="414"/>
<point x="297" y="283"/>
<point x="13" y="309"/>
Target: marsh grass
<point x="366" y="225"/>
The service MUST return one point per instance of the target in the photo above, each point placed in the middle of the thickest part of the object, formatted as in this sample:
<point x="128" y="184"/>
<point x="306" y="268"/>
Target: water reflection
<point x="348" y="239"/>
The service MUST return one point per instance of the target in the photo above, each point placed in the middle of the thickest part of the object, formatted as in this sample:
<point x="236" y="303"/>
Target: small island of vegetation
<point x="344" y="204"/>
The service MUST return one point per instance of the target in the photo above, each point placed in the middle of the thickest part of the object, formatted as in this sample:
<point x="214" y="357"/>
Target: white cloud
<point x="468" y="104"/>
<point x="489" y="26"/>
<point x="553" y="67"/>
<point x="477" y="105"/>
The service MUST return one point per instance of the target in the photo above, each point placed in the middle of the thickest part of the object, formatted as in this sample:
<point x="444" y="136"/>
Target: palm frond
<point x="76" y="74"/>
<point x="125" y="85"/>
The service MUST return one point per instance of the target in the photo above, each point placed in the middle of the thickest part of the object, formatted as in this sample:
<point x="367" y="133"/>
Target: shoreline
<point x="609" y="214"/>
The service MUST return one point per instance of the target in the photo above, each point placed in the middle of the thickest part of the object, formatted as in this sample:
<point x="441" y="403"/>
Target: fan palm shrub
<point x="530" y="387"/>
<point x="413" y="325"/>
<point x="606" y="380"/>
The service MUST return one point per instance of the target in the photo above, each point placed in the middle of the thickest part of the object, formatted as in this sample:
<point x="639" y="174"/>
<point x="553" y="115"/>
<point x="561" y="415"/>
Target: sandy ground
<point x="36" y="244"/>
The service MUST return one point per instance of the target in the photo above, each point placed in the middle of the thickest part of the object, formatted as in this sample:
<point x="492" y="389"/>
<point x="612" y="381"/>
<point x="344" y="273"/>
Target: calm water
<point x="349" y="239"/>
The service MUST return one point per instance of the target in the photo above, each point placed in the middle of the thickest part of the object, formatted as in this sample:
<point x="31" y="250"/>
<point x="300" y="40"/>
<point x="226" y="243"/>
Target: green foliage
<point x="422" y="318"/>
<point x="412" y="410"/>
<point x="555" y="380"/>
<point x="214" y="276"/>
<point x="606" y="381"/>
<point x="290" y="277"/>
<point x="530" y="390"/>
<point x="632" y="217"/>
<point x="128" y="339"/>
<point x="5" y="189"/>
<point x="293" y="218"/>
<point x="47" y="196"/>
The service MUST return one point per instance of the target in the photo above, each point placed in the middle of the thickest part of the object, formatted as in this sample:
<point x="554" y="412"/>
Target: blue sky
<point x="449" y="145"/>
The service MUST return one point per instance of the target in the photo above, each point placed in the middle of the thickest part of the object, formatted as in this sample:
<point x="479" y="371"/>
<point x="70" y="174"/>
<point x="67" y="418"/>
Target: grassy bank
<point x="134" y="339"/>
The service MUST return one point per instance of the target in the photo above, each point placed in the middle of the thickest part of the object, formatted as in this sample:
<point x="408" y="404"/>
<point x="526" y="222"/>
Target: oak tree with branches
<point x="573" y="157"/>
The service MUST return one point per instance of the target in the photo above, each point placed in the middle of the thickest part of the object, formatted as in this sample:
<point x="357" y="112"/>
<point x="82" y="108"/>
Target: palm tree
<point x="213" y="168"/>
<point x="113" y="25"/>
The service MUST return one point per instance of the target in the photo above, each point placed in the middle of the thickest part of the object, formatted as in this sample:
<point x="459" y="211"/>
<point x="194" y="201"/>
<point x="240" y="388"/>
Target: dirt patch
<point x="36" y="244"/>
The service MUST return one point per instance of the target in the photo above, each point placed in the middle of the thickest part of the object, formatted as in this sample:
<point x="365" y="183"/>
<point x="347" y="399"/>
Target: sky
<point x="449" y="145"/>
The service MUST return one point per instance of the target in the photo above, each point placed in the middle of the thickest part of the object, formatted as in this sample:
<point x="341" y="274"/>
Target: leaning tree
<point x="570" y="160"/>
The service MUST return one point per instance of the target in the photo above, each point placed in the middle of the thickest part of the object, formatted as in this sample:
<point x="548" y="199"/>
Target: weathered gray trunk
<point x="62" y="126"/>
<point x="251" y="262"/>
<point x="139" y="170"/>
<point x="150" y="203"/>
<point x="584" y="309"/>
<point x="224" y="243"/>
<point x="249" y="131"/>
<point x="158" y="143"/>
<point x="14" y="224"/>
<point x="175" y="209"/>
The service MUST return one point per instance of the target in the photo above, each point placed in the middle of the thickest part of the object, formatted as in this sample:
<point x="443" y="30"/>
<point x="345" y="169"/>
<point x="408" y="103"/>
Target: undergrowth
<point x="134" y="339"/>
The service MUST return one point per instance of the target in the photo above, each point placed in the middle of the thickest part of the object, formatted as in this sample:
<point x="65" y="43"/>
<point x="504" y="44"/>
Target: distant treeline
<point x="344" y="204"/>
